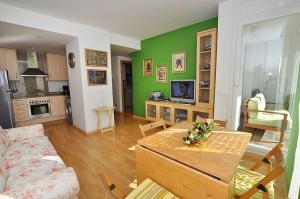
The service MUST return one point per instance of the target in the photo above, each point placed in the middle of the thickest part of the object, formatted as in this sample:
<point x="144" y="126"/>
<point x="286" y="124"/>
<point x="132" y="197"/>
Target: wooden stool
<point x="100" y="110"/>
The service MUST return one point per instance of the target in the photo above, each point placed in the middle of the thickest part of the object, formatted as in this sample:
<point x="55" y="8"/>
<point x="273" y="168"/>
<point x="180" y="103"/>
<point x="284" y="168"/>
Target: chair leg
<point x="281" y="136"/>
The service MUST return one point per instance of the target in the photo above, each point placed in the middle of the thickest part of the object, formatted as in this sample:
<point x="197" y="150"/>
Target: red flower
<point x="28" y="195"/>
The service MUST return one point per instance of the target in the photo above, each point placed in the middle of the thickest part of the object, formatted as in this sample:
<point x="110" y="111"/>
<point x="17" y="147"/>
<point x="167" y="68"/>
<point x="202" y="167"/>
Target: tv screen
<point x="183" y="90"/>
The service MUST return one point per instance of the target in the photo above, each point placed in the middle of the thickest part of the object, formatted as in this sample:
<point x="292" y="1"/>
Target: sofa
<point x="31" y="168"/>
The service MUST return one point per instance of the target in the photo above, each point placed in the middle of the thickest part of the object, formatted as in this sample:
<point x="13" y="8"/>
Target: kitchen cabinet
<point x="8" y="60"/>
<point x="57" y="66"/>
<point x="20" y="110"/>
<point x="57" y="106"/>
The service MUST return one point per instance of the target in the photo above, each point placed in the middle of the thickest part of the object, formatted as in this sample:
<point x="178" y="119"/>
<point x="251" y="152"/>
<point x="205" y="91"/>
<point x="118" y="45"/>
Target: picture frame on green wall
<point x="161" y="74"/>
<point x="178" y="62"/>
<point x="147" y="67"/>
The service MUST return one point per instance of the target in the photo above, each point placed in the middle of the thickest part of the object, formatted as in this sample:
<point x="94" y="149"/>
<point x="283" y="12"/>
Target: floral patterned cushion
<point x="60" y="184"/>
<point x="2" y="175"/>
<point x="28" y="149"/>
<point x="15" y="135"/>
<point x="31" y="168"/>
<point x="3" y="145"/>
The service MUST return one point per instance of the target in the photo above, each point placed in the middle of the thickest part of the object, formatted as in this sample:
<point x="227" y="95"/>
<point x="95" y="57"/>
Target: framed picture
<point x="161" y="74"/>
<point x="95" y="58"/>
<point x="96" y="77"/>
<point x="178" y="62"/>
<point x="148" y="67"/>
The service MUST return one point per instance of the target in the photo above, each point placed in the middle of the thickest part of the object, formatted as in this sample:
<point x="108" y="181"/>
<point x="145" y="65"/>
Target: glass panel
<point x="271" y="59"/>
<point x="180" y="115"/>
<point x="165" y="113"/>
<point x="151" y="111"/>
<point x="199" y="114"/>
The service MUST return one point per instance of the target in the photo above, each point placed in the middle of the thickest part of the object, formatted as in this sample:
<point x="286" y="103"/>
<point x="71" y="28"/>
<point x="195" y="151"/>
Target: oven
<point x="39" y="108"/>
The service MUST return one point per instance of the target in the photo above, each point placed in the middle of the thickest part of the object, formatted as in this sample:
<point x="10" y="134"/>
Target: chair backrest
<point x="267" y="161"/>
<point x="272" y="173"/>
<point x="153" y="125"/>
<point x="110" y="188"/>
<point x="258" y="102"/>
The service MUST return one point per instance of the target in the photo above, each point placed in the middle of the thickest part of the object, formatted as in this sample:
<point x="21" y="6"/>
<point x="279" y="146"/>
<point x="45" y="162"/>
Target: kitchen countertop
<point x="36" y="96"/>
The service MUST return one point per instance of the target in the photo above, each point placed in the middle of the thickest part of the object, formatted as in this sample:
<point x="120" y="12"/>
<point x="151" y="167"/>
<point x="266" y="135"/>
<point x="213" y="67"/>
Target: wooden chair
<point x="216" y="122"/>
<point x="147" y="189"/>
<point x="255" y="116"/>
<point x="153" y="125"/>
<point x="251" y="184"/>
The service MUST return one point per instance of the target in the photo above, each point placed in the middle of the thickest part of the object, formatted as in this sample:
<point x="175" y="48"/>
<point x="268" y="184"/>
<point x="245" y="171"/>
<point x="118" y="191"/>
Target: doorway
<point x="126" y="86"/>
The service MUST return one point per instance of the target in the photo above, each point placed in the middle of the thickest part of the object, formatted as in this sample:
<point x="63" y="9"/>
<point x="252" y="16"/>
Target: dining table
<point x="203" y="170"/>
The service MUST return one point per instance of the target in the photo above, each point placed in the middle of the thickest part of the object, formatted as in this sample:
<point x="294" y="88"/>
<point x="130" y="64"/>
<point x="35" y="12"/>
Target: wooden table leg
<point x="99" y="122"/>
<point x="110" y="120"/>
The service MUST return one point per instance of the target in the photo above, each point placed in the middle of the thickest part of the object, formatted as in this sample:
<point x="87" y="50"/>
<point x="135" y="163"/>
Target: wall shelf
<point x="172" y="112"/>
<point x="205" y="95"/>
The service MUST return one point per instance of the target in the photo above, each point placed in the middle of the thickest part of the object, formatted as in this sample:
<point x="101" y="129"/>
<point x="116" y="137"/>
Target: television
<point x="183" y="91"/>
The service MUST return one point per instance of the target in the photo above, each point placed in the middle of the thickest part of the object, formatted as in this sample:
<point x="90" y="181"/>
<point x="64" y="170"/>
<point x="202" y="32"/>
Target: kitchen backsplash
<point x="56" y="86"/>
<point x="28" y="85"/>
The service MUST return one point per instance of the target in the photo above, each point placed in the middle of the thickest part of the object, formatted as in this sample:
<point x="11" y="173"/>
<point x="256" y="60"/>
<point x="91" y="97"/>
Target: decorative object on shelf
<point x="204" y="83"/>
<point x="71" y="60"/>
<point x="205" y="66"/>
<point x="148" y="67"/>
<point x="207" y="44"/>
<point x="200" y="132"/>
<point x="161" y="74"/>
<point x="96" y="77"/>
<point x="95" y="58"/>
<point x="178" y="62"/>
<point x="156" y="95"/>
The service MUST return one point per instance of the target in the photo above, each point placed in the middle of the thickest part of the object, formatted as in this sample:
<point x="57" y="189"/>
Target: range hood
<point x="33" y="70"/>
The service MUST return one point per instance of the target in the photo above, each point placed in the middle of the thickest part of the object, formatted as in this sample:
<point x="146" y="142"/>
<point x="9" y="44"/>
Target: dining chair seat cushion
<point x="272" y="120"/>
<point x="246" y="179"/>
<point x="150" y="190"/>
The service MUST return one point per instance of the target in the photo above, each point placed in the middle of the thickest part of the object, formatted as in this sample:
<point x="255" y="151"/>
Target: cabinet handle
<point x="16" y="75"/>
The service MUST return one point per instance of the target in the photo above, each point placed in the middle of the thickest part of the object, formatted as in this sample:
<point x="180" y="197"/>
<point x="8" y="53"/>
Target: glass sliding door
<point x="271" y="60"/>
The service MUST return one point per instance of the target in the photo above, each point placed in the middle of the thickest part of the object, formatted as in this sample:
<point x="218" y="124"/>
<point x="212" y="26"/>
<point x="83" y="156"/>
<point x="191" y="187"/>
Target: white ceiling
<point x="139" y="19"/>
<point x="20" y="37"/>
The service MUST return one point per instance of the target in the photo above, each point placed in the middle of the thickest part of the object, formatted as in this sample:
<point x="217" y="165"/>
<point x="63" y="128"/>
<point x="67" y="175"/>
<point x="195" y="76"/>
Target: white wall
<point x="117" y="81"/>
<point x="76" y="86"/>
<point x="83" y="97"/>
<point x="233" y="15"/>
<point x="94" y="96"/>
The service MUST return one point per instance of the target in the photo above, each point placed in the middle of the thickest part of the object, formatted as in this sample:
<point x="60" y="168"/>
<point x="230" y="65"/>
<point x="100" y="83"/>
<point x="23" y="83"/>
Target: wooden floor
<point x="114" y="154"/>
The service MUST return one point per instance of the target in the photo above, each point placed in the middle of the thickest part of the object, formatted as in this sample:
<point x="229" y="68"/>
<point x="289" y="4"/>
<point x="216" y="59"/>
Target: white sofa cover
<point x="31" y="168"/>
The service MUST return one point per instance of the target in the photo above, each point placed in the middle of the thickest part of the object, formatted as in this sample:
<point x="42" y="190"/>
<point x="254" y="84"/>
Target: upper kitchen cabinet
<point x="57" y="66"/>
<point x="8" y="60"/>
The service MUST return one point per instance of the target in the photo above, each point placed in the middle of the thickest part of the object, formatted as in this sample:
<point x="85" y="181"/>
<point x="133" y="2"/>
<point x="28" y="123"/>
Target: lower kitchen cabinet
<point x="58" y="106"/>
<point x="20" y="110"/>
<point x="22" y="113"/>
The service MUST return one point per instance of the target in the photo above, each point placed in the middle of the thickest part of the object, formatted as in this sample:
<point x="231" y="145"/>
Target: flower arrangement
<point x="200" y="131"/>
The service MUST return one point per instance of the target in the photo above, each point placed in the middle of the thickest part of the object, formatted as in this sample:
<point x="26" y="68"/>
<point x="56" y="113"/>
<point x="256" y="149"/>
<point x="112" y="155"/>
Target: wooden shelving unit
<point x="172" y="112"/>
<point x="206" y="69"/>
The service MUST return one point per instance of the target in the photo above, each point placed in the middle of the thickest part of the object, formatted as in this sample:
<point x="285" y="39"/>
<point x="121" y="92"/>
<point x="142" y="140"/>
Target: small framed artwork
<point x="161" y="74"/>
<point x="96" y="77"/>
<point x="148" y="67"/>
<point x="95" y="58"/>
<point x="178" y="62"/>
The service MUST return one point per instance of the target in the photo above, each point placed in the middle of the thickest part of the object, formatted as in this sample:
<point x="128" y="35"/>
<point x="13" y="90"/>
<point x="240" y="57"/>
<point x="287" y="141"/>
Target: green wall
<point x="294" y="136"/>
<point x="160" y="49"/>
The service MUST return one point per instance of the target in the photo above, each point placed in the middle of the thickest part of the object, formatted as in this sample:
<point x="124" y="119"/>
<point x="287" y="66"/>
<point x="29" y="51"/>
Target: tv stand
<point x="174" y="112"/>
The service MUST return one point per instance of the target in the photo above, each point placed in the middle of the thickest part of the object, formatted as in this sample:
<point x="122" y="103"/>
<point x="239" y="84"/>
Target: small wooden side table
<point x="100" y="110"/>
